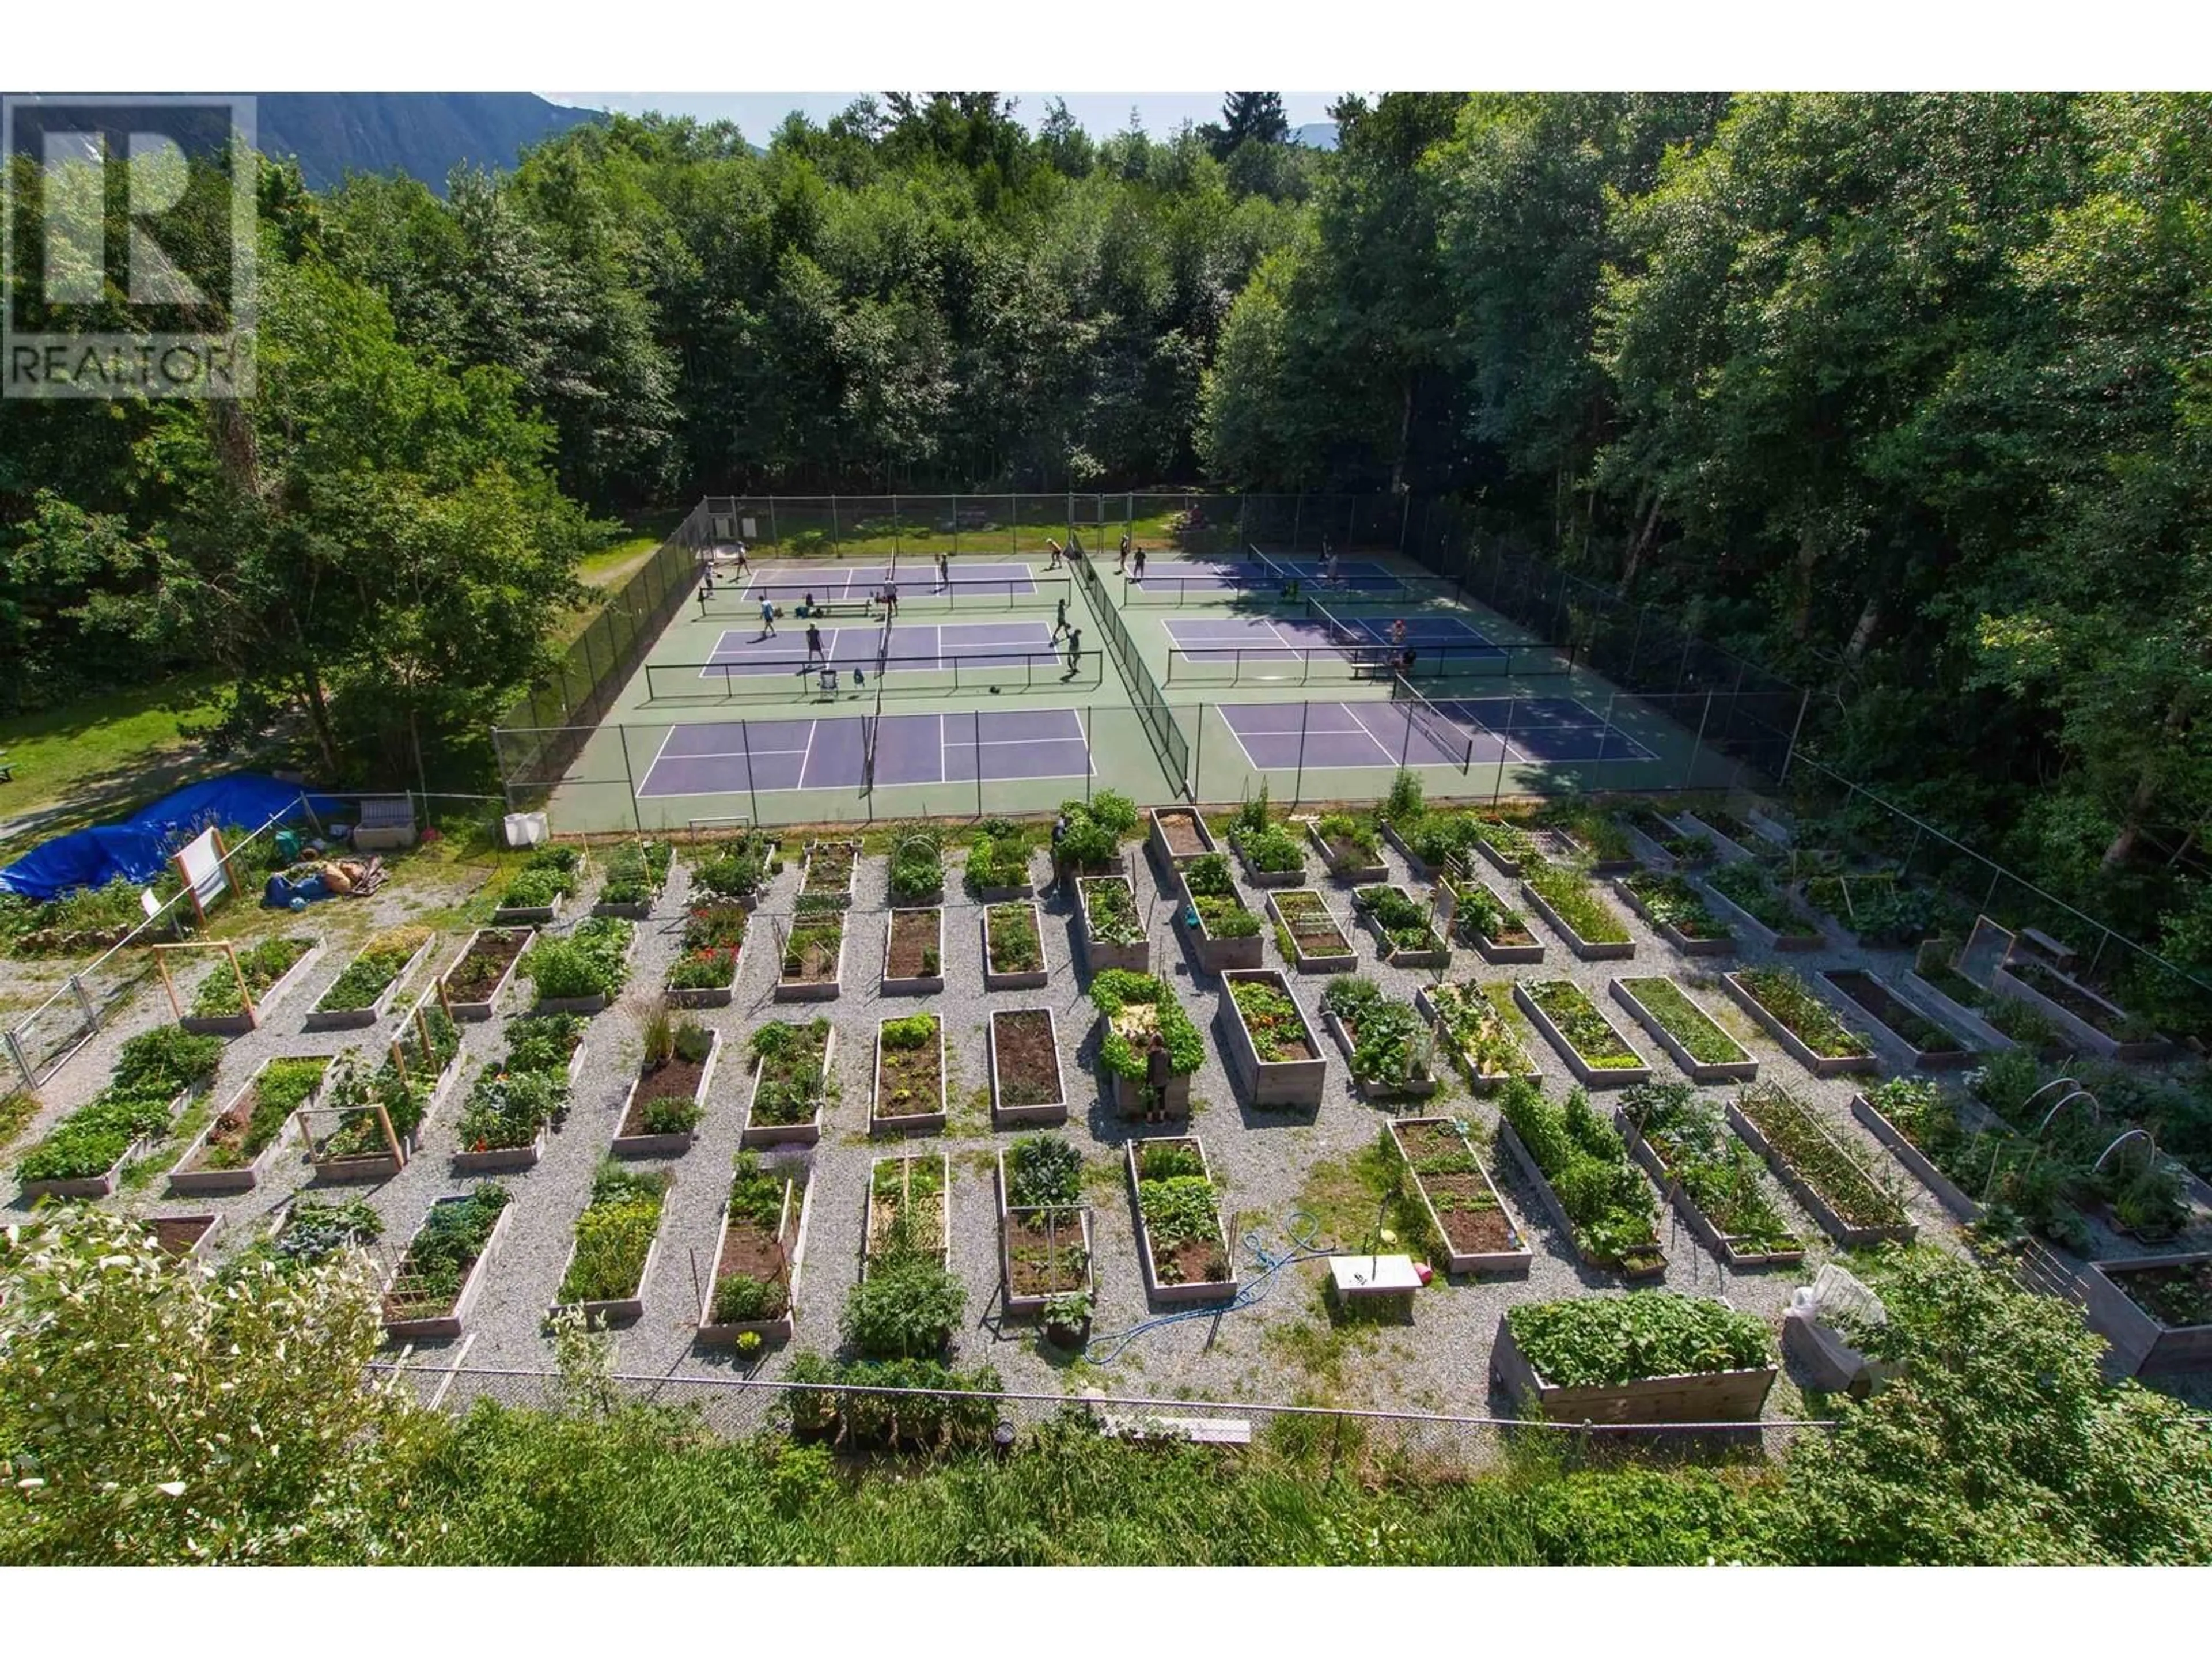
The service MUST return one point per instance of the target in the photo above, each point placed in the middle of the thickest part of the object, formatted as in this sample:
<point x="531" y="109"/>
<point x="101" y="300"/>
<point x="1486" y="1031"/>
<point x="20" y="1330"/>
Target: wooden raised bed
<point x="929" y="922"/>
<point x="1215" y="954"/>
<point x="354" y="1019"/>
<point x="1497" y="952"/>
<point x="1021" y="1305"/>
<point x="1818" y="1065"/>
<point x="1653" y="1267"/>
<point x="789" y="1244"/>
<point x="104" y="1184"/>
<point x="1054" y="1110"/>
<point x="1430" y="1009"/>
<point x="876" y="1224"/>
<point x="1724" y="845"/>
<point x="1948" y="1010"/>
<point x="1207" y="1289"/>
<point x="448" y="1324"/>
<point x="1742" y="1069"/>
<point x="631" y="1139"/>
<point x="1674" y="936"/>
<point x="1742" y="922"/>
<point x="610" y="1311"/>
<point x="1255" y="877"/>
<point x="1437" y="956"/>
<point x="531" y="916"/>
<point x="1479" y="1247"/>
<point x="1323" y="960"/>
<point x="1593" y="1077"/>
<point x="485" y="1003"/>
<point x="255" y="1014"/>
<point x="1270" y="1082"/>
<point x="1341" y="865"/>
<point x="1588" y="950"/>
<point x="1097" y="954"/>
<point x="1848" y="1237"/>
<point x="838" y="894"/>
<point x="1917" y="1163"/>
<point x="1031" y="979"/>
<point x="814" y="990"/>
<point x="187" y="1237"/>
<point x="789" y="1134"/>
<point x="2143" y="1343"/>
<point x="598" y="1001"/>
<point x="1708" y="1234"/>
<point x="1176" y="832"/>
<point x="2070" y="1024"/>
<point x="185" y="1181"/>
<point x="1702" y="1397"/>
<point x="382" y="1165"/>
<point x="923" y="1123"/>
<point x="1875" y="1003"/>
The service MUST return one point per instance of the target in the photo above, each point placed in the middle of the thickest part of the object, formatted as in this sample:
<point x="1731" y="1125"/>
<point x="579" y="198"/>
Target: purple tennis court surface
<point x="1358" y="575"/>
<point x="720" y="759"/>
<point x="855" y="583"/>
<point x="915" y="646"/>
<point x="1529" y="730"/>
<point x="1248" y="639"/>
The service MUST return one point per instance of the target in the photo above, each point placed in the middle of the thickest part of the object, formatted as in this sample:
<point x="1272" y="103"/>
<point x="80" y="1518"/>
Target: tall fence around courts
<point x="1160" y="724"/>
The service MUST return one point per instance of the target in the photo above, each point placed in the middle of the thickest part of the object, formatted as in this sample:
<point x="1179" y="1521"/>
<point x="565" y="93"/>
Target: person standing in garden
<point x="1159" y="1073"/>
<point x="1058" y="864"/>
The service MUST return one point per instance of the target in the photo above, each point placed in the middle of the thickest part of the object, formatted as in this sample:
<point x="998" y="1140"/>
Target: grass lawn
<point x="100" y="757"/>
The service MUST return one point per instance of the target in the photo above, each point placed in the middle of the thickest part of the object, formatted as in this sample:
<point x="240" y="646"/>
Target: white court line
<point x="808" y="752"/>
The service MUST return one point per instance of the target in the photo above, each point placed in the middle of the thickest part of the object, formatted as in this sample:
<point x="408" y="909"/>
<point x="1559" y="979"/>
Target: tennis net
<point x="883" y="645"/>
<point x="1451" y="739"/>
<point x="1340" y="632"/>
<point x="875" y="725"/>
<point x="1276" y="574"/>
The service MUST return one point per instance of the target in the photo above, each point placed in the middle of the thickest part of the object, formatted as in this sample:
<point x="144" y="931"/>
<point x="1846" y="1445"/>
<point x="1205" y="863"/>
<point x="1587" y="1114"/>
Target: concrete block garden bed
<point x="1027" y="1084"/>
<point x="1479" y="1231"/>
<point x="1271" y="1047"/>
<point x="1182" y="1247"/>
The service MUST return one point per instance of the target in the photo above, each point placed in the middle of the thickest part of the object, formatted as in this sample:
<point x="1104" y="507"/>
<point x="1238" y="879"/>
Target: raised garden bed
<point x="1478" y="1031"/>
<point x="1181" y="1246"/>
<point x="1271" y="1044"/>
<point x="1592" y="1045"/>
<point x="1796" y="1019"/>
<point x="1027" y="1085"/>
<point x="1674" y="910"/>
<point x="376" y="1118"/>
<point x="914" y="952"/>
<point x="1270" y="853"/>
<point x="1742" y="896"/>
<point x="668" y="1098"/>
<point x="1131" y="1008"/>
<point x="1480" y="1234"/>
<point x="583" y="972"/>
<point x="1650" y="1357"/>
<point x="1110" y="928"/>
<point x="364" y="992"/>
<point x="909" y="1093"/>
<point x="1405" y="937"/>
<point x="910" y="1210"/>
<point x="1571" y="908"/>
<point x="1820" y="1171"/>
<point x="2156" y="1311"/>
<point x="1013" y="948"/>
<point x="2079" y="1014"/>
<point x="438" y="1280"/>
<point x="705" y="973"/>
<point x="618" y="1237"/>
<point x="1660" y="840"/>
<point x="1174" y="833"/>
<point x="811" y="965"/>
<point x="1730" y="836"/>
<point x="234" y="1152"/>
<point x="1708" y="1173"/>
<point x="1930" y="1046"/>
<point x="637" y="871"/>
<point x="1497" y="932"/>
<point x="271" y="970"/>
<point x="1044" y="1227"/>
<point x="1569" y="1153"/>
<point x="916" y="876"/>
<point x="1227" y="934"/>
<point x="1918" y="1160"/>
<point x="187" y="1237"/>
<point x="1307" y="935"/>
<point x="758" y="1252"/>
<point x="794" y="1069"/>
<point x="473" y="987"/>
<point x="1690" y="1036"/>
<point x="1350" y="847"/>
<point x="997" y="866"/>
<point x="540" y="891"/>
<point x="733" y="871"/>
<point x="1386" y="1044"/>
<point x="828" y="874"/>
<point x="1966" y="1007"/>
<point x="505" y="1120"/>
<point x="1590" y="838"/>
<point x="93" y="1144"/>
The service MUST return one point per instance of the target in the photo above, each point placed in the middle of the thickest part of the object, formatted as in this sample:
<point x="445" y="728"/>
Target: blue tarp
<point x="139" y="847"/>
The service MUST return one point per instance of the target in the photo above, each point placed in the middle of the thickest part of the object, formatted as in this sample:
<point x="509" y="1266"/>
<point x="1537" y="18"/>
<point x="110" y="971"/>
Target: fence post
<point x="836" y="543"/>
<point x="1197" y="755"/>
<point x="976" y="731"/>
<point x="752" y="794"/>
<point x="895" y="531"/>
<point x="1298" y="782"/>
<point x="1243" y="502"/>
<point x="84" y="1001"/>
<point x="1405" y="519"/>
<point x="1689" y="781"/>
<point x="1804" y="702"/>
<point x="22" y="1061"/>
<point x="635" y="817"/>
<point x="1298" y="519"/>
<point x="774" y="540"/>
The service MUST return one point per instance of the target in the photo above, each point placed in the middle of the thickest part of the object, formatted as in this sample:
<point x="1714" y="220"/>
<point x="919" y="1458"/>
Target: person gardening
<point x="1159" y="1073"/>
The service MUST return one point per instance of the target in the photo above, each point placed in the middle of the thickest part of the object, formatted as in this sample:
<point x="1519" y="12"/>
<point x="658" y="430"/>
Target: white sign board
<point x="749" y="530"/>
<point x="200" y="862"/>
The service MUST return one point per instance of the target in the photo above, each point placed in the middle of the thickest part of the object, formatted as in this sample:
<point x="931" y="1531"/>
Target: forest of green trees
<point x="1907" y="396"/>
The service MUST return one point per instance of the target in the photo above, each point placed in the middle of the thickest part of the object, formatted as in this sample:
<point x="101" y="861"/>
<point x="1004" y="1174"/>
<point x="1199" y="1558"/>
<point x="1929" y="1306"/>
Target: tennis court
<point x="1176" y="582"/>
<point x="858" y="584"/>
<point x="755" y="757"/>
<point x="1539" y="731"/>
<point x="1244" y="646"/>
<point x="918" y="646"/>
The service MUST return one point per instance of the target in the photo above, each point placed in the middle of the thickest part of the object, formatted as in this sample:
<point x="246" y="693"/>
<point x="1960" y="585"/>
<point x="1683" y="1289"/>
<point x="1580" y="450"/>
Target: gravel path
<point x="1282" y="1348"/>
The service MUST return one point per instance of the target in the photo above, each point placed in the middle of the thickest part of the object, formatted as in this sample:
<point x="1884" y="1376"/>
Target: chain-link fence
<point x="860" y="1418"/>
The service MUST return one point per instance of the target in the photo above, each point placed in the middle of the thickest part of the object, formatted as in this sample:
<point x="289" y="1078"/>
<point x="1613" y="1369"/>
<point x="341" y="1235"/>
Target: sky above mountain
<point x="759" y="113"/>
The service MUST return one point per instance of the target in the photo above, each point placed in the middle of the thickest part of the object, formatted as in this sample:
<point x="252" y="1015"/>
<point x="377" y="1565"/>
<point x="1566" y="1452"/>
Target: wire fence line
<point x="866" y="1416"/>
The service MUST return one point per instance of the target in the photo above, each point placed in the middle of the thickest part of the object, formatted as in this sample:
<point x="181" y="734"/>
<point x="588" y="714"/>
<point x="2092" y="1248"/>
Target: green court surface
<point x="969" y="706"/>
